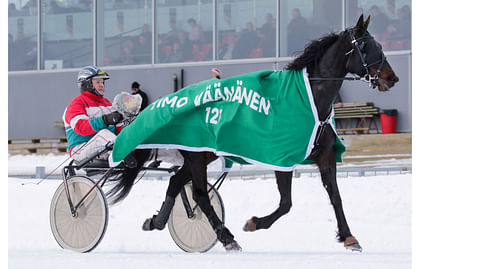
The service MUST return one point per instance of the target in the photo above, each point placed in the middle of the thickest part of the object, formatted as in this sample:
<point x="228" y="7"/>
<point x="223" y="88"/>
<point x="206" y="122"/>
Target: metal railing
<point x="248" y="174"/>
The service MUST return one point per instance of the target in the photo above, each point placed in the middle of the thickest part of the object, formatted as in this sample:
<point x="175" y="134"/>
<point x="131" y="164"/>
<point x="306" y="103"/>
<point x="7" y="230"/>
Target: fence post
<point x="40" y="172"/>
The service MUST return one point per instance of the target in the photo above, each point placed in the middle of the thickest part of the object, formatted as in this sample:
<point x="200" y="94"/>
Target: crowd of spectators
<point x="135" y="49"/>
<point x="249" y="42"/>
<point x="177" y="45"/>
<point x="393" y="31"/>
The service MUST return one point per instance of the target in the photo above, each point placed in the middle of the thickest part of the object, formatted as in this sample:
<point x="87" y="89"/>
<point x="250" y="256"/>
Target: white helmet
<point x="84" y="78"/>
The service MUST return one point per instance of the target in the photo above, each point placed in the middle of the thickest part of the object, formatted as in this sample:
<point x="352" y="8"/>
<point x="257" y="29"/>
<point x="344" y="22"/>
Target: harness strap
<point x="371" y="80"/>
<point x="323" y="126"/>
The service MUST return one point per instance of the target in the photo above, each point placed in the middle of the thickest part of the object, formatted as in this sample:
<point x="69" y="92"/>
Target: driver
<point x="90" y="122"/>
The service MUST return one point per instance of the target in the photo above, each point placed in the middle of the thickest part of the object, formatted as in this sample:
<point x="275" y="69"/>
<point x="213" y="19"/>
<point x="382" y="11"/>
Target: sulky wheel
<point x="194" y="234"/>
<point x="85" y="230"/>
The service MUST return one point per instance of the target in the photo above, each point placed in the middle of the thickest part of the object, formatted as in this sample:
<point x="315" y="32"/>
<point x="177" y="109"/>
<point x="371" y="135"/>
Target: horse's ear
<point x="359" y="25"/>
<point x="365" y="24"/>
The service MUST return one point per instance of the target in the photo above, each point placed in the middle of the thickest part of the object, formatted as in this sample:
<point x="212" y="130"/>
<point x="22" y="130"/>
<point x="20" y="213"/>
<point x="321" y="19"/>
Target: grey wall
<point x="37" y="99"/>
<point x="398" y="97"/>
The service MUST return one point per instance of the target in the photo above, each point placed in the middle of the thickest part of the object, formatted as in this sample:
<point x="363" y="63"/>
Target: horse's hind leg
<point x="284" y="184"/>
<point x="199" y="163"/>
<point x="328" y="171"/>
<point x="175" y="185"/>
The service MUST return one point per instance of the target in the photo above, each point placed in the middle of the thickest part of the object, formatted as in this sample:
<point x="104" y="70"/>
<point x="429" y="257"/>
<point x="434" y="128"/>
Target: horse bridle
<point x="356" y="44"/>
<point x="371" y="80"/>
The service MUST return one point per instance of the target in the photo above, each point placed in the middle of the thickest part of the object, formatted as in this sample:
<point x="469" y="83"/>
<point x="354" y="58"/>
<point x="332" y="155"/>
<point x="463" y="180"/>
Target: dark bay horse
<point x="328" y="60"/>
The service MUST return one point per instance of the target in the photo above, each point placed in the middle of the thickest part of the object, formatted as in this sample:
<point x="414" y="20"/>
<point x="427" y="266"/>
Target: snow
<point x="378" y="210"/>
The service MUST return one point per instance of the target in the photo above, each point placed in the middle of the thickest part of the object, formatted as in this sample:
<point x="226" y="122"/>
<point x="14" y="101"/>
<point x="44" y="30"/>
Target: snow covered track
<point x="379" y="210"/>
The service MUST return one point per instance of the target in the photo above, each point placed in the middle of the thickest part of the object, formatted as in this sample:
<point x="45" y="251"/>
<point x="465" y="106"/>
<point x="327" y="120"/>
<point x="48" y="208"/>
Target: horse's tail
<point x="123" y="183"/>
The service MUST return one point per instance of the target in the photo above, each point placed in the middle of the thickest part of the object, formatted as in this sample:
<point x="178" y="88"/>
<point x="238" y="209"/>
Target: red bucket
<point x="388" y="119"/>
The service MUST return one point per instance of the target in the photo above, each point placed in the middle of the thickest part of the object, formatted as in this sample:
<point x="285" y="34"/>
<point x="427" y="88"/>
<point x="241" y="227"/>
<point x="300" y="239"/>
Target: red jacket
<point x="83" y="118"/>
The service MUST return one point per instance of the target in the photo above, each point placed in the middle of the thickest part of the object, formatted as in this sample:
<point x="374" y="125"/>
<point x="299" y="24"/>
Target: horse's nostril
<point x="394" y="78"/>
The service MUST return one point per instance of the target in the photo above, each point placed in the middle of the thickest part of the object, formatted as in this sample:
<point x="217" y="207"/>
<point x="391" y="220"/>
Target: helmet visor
<point x="102" y="74"/>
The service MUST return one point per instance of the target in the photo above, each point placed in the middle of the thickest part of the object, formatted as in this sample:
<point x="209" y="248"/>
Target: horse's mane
<point x="313" y="52"/>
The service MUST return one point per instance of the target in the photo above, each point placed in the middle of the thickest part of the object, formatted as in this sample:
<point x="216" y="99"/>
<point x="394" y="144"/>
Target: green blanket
<point x="266" y="118"/>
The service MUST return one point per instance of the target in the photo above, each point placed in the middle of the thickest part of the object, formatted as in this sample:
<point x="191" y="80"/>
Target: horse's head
<point x="366" y="57"/>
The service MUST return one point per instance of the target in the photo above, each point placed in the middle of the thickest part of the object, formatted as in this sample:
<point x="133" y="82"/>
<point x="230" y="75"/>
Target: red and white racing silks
<point x="83" y="118"/>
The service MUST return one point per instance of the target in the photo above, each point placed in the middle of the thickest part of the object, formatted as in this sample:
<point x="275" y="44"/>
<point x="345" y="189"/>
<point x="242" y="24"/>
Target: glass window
<point x="67" y="31"/>
<point x="246" y="29"/>
<point x="22" y="35"/>
<point x="184" y="31"/>
<point x="124" y="32"/>
<point x="390" y="23"/>
<point x="304" y="20"/>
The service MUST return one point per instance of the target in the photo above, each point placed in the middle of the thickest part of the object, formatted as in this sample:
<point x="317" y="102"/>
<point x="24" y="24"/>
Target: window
<point x="305" y="20"/>
<point x="22" y="35"/>
<point x="246" y="29"/>
<point x="124" y="32"/>
<point x="183" y="31"/>
<point x="390" y="22"/>
<point x="67" y="32"/>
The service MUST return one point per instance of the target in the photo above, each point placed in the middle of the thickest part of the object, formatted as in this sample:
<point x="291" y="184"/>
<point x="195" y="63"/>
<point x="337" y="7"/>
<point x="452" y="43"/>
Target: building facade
<point x="155" y="41"/>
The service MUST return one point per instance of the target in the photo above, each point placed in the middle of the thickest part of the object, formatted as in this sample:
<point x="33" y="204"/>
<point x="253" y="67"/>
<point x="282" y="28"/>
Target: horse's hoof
<point x="250" y="226"/>
<point x="148" y="225"/>
<point x="352" y="244"/>
<point x="233" y="247"/>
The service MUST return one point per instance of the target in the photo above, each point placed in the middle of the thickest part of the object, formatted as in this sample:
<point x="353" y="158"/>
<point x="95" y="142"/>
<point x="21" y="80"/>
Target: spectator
<point x="247" y="41"/>
<point x="196" y="32"/>
<point x="136" y="90"/>
<point x="267" y="32"/>
<point x="379" y="21"/>
<point x="142" y="50"/>
<point x="401" y="28"/>
<point x="216" y="73"/>
<point x="172" y="36"/>
<point x="176" y="55"/>
<point x="225" y="52"/>
<point x="296" y="32"/>
<point x="147" y="33"/>
<point x="186" y="46"/>
<point x="126" y="52"/>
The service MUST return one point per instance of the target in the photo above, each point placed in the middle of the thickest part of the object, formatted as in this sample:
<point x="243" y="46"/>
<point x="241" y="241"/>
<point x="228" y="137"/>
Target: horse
<point x="328" y="60"/>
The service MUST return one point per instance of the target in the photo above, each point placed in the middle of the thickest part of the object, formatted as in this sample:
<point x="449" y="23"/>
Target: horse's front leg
<point x="175" y="185"/>
<point x="200" y="195"/>
<point x="284" y="184"/>
<point x="328" y="170"/>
